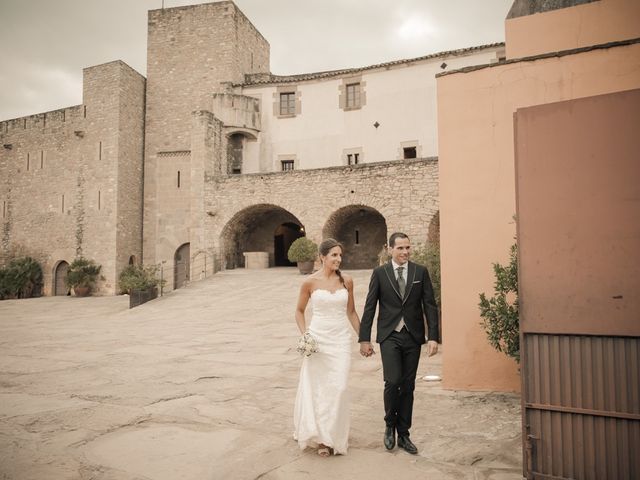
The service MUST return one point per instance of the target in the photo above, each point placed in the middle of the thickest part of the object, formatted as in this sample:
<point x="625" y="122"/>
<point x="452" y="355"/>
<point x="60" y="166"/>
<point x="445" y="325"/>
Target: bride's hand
<point x="366" y="349"/>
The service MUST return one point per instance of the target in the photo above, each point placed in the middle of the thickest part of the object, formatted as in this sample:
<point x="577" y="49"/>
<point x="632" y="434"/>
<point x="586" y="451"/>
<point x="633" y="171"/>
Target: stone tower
<point x="71" y="179"/>
<point x="192" y="53"/>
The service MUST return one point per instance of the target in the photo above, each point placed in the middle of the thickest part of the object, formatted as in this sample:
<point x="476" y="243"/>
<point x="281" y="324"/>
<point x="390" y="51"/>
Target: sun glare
<point x="414" y="28"/>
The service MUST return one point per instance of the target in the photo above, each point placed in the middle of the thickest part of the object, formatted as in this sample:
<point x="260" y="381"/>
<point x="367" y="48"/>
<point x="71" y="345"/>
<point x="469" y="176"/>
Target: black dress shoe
<point x="389" y="438"/>
<point x="406" y="444"/>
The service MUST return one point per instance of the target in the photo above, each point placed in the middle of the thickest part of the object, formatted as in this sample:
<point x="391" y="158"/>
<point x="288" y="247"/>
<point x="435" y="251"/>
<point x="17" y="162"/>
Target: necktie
<point x="401" y="283"/>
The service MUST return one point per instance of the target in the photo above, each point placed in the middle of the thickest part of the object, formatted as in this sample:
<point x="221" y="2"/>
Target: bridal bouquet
<point x="307" y="345"/>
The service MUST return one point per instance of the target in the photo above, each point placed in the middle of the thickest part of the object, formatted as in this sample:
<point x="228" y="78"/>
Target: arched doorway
<point x="60" y="273"/>
<point x="256" y="229"/>
<point x="132" y="260"/>
<point x="181" y="267"/>
<point x="363" y="232"/>
<point x="284" y="236"/>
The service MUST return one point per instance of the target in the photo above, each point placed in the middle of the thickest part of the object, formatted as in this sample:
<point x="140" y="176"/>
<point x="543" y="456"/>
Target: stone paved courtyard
<point x="200" y="384"/>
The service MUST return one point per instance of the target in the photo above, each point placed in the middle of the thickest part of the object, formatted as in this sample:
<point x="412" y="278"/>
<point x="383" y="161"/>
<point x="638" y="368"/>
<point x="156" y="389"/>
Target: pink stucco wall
<point x="568" y="28"/>
<point x="477" y="189"/>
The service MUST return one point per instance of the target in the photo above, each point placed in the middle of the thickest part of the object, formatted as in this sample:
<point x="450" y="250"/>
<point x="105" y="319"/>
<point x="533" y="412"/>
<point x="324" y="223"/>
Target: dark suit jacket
<point x="418" y="303"/>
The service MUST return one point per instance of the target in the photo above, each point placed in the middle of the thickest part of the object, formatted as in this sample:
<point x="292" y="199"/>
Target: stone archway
<point x="256" y="229"/>
<point x="59" y="275"/>
<point x="363" y="232"/>
<point x="284" y="236"/>
<point x="181" y="265"/>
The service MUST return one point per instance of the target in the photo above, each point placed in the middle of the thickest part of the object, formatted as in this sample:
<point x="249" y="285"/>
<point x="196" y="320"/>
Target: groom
<point x="404" y="294"/>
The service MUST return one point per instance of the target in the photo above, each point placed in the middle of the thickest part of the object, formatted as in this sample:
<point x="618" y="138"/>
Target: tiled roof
<point x="267" y="78"/>
<point x="542" y="56"/>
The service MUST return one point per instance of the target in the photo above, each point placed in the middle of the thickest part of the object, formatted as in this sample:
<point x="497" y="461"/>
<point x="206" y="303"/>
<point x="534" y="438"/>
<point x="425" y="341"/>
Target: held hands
<point x="366" y="349"/>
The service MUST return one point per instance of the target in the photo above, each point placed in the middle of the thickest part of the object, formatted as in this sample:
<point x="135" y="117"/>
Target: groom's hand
<point x="432" y="348"/>
<point x="366" y="349"/>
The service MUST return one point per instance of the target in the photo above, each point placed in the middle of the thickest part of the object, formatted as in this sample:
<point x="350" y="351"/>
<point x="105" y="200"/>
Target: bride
<point x="321" y="413"/>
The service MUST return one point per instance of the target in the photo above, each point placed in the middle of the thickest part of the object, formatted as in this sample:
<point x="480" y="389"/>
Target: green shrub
<point x="138" y="277"/>
<point x="22" y="278"/>
<point x="5" y="290"/>
<point x="82" y="273"/>
<point x="302" y="250"/>
<point x="500" y="316"/>
<point x="429" y="256"/>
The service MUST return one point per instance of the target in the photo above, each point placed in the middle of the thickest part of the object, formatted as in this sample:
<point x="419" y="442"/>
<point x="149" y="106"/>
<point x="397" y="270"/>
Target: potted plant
<point x="82" y="276"/>
<point x="141" y="283"/>
<point x="304" y="252"/>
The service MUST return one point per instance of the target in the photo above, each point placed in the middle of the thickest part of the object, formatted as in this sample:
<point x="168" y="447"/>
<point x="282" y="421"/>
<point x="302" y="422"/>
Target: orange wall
<point x="568" y="28"/>
<point x="477" y="189"/>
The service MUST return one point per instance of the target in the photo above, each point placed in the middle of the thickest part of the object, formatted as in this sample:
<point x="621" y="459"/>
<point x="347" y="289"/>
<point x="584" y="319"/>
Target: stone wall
<point x="60" y="176"/>
<point x="316" y="200"/>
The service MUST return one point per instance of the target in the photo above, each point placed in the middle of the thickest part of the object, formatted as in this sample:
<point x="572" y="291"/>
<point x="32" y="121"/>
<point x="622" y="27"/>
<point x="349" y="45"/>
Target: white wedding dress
<point x="321" y="412"/>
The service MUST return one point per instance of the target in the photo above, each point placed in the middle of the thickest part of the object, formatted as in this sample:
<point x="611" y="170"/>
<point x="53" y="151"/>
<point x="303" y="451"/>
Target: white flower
<point x="307" y="345"/>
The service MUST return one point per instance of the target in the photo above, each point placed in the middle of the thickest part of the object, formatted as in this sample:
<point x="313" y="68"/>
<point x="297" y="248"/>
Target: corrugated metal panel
<point x="582" y="406"/>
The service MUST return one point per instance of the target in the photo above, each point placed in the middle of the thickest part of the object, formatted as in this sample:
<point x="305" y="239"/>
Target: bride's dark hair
<point x="324" y="249"/>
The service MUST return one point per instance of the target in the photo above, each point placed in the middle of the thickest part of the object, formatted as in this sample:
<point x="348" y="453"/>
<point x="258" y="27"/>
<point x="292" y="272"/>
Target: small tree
<point x="302" y="250"/>
<point x="500" y="316"/>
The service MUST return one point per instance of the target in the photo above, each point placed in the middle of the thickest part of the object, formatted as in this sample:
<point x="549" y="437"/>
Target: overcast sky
<point x="45" y="44"/>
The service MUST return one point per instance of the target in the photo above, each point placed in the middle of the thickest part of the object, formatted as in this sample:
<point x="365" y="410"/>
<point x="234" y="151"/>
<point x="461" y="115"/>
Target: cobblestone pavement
<point x="200" y="384"/>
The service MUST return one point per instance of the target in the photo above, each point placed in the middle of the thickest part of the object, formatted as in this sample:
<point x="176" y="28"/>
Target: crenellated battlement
<point x="44" y="120"/>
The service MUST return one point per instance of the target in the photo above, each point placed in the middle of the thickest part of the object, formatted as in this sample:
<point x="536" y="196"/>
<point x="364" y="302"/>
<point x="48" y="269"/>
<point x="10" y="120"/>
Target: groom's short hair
<point x="394" y="236"/>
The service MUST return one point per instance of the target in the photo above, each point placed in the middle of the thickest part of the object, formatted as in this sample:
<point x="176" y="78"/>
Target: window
<point x="353" y="95"/>
<point x="235" y="153"/>
<point x="178" y="178"/>
<point x="409" y="152"/>
<point x="357" y="237"/>
<point x="352" y="156"/>
<point x="287" y="165"/>
<point x="288" y="103"/>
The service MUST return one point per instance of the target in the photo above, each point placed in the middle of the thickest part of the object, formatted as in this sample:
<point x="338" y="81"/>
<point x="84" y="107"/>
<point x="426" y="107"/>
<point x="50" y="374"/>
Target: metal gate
<point x="578" y="211"/>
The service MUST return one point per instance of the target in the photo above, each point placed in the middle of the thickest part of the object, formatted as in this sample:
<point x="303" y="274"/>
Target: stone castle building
<point x="212" y="156"/>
